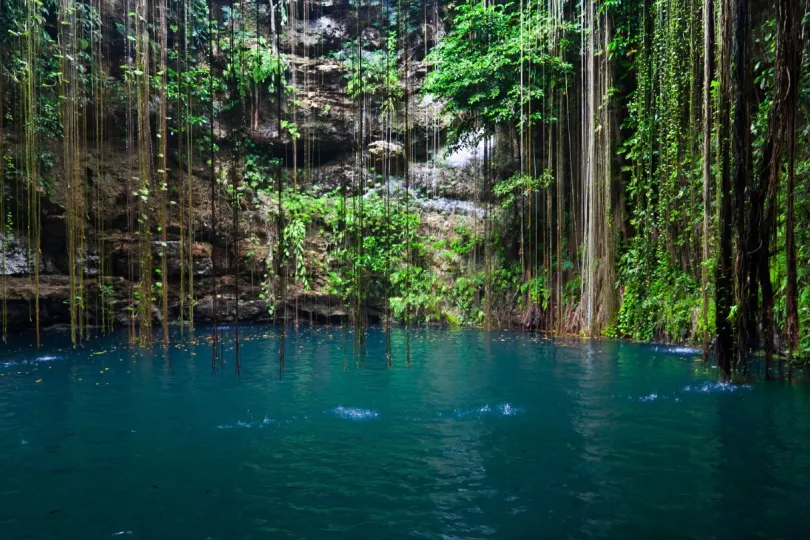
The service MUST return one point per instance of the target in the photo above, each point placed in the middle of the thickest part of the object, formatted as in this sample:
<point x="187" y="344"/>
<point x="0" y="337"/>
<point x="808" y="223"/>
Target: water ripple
<point x="352" y="413"/>
<point x="703" y="388"/>
<point x="712" y="387"/>
<point x="481" y="435"/>
<point x="240" y="424"/>
<point x="504" y="409"/>
<point x="29" y="361"/>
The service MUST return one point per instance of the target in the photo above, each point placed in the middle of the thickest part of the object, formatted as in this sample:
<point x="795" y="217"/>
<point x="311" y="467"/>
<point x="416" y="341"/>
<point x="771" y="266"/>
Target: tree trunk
<point x="793" y="40"/>
<point x="723" y="285"/>
<point x="708" y="73"/>
<point x="771" y="166"/>
<point x="741" y="90"/>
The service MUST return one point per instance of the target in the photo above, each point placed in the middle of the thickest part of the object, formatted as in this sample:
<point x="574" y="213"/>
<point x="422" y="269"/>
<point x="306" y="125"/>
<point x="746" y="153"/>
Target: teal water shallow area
<point x="481" y="435"/>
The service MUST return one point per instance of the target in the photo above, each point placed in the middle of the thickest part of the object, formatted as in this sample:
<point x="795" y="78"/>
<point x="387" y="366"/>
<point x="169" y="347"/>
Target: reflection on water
<point x="482" y="434"/>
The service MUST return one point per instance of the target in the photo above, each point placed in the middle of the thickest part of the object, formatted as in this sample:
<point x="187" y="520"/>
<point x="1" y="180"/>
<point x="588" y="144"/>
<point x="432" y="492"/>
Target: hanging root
<point x="237" y="357"/>
<point x="215" y="360"/>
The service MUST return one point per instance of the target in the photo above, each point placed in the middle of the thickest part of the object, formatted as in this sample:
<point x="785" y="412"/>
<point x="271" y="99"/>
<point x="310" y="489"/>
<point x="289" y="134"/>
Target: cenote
<point x="481" y="435"/>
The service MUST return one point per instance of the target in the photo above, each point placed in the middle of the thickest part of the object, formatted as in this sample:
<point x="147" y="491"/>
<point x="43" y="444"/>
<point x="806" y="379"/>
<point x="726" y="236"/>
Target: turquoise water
<point x="483" y="435"/>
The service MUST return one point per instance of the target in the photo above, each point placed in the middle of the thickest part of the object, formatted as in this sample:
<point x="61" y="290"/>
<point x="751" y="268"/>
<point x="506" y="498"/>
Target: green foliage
<point x="659" y="273"/>
<point x="257" y="169"/>
<point x="193" y="88"/>
<point x="467" y="242"/>
<point x="420" y="294"/>
<point x="291" y="128"/>
<point x="480" y="65"/>
<point x="537" y="290"/>
<point x="516" y="187"/>
<point x="252" y="63"/>
<point x="663" y="304"/>
<point x="45" y="68"/>
<point x="301" y="210"/>
<point x="294" y="236"/>
<point x="373" y="74"/>
<point x="466" y="296"/>
<point x="507" y="279"/>
<point x="366" y="243"/>
<point x="370" y="242"/>
<point x="498" y="72"/>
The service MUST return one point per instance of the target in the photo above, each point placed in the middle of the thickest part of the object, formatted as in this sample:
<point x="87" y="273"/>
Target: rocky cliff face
<point x="442" y="190"/>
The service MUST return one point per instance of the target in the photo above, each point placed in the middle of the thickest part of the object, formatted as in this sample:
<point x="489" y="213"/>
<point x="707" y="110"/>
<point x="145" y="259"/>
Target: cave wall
<point x="443" y="189"/>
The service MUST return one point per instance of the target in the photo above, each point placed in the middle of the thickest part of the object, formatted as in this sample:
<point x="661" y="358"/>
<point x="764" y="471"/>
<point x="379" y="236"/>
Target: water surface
<point x="482" y="435"/>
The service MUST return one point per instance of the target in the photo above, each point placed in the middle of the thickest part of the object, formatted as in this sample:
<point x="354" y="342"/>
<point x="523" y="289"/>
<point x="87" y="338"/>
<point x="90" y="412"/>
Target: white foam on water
<point x="684" y="350"/>
<point x="265" y="422"/>
<point x="352" y="413"/>
<point x="712" y="387"/>
<point x="507" y="410"/>
<point x="677" y="350"/>
<point x="23" y="442"/>
<point x="459" y="413"/>
<point x="122" y="533"/>
<point x="30" y="361"/>
<point x="239" y="424"/>
<point x="702" y="388"/>
<point x="504" y="409"/>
